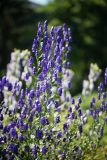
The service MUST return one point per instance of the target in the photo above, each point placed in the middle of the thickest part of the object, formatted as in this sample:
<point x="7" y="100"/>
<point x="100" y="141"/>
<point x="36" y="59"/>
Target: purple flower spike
<point x="79" y="100"/>
<point x="43" y="120"/>
<point x="60" y="91"/>
<point x="13" y="133"/>
<point x="1" y="125"/>
<point x="32" y="94"/>
<point x="12" y="157"/>
<point x="105" y="77"/>
<point x="65" y="126"/>
<point x="44" y="149"/>
<point x="21" y="138"/>
<point x="39" y="133"/>
<point x="34" y="150"/>
<point x="11" y="147"/>
<point x="1" y="117"/>
<point x="56" y="104"/>
<point x="57" y="119"/>
<point x="93" y="100"/>
<point x="34" y="45"/>
<point x="59" y="135"/>
<point x="106" y="120"/>
<point x="80" y="128"/>
<point x="101" y="131"/>
<point x="77" y="106"/>
<point x="73" y="101"/>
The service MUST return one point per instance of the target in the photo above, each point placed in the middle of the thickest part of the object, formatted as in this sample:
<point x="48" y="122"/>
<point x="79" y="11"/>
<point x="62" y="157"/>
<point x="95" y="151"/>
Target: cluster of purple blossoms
<point x="106" y="76"/>
<point x="38" y="119"/>
<point x="29" y="107"/>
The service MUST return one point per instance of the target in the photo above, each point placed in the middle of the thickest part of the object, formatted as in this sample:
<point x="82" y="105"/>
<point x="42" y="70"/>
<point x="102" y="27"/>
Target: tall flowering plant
<point x="38" y="120"/>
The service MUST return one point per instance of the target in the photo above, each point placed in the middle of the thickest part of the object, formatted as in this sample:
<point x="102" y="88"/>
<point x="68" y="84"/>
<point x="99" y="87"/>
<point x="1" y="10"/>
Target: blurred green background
<point x="86" y="18"/>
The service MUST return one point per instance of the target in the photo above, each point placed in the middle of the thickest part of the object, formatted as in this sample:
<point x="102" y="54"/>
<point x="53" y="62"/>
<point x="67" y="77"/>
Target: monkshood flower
<point x="105" y="77"/>
<point x="80" y="128"/>
<point x="39" y="119"/>
<point x="34" y="150"/>
<point x="44" y="149"/>
<point x="25" y="102"/>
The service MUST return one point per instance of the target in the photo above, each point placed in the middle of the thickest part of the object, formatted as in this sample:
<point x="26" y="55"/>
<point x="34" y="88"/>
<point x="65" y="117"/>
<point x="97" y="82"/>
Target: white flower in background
<point x="68" y="75"/>
<point x="91" y="86"/>
<point x="88" y="85"/>
<point x="16" y="70"/>
<point x="17" y="65"/>
<point x="95" y="72"/>
<point x="85" y="87"/>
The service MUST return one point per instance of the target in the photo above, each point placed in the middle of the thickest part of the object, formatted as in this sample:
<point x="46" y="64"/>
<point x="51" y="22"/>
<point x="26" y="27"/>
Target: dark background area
<point x="87" y="19"/>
